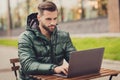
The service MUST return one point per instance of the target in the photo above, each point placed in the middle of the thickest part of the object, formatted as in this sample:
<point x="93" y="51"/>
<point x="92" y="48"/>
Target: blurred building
<point x="69" y="10"/>
<point x="72" y="10"/>
<point x="82" y="9"/>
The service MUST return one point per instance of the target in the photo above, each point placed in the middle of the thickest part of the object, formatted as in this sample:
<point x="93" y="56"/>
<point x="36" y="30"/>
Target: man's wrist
<point x="52" y="68"/>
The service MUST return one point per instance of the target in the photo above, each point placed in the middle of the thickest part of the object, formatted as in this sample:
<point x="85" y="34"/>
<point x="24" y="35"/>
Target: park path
<point x="5" y="54"/>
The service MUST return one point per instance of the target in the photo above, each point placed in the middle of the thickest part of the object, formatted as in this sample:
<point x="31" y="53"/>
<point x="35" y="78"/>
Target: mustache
<point x="53" y="25"/>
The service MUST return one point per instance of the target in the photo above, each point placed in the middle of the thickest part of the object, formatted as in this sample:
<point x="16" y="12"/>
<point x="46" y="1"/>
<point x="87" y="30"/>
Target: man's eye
<point x="55" y="18"/>
<point x="48" y="19"/>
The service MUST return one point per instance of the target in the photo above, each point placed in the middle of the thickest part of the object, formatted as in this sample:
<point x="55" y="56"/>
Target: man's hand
<point x="61" y="69"/>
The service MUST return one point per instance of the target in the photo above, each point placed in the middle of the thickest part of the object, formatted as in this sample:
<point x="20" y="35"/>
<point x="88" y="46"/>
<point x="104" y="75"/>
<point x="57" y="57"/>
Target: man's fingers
<point x="65" y="68"/>
<point x="64" y="71"/>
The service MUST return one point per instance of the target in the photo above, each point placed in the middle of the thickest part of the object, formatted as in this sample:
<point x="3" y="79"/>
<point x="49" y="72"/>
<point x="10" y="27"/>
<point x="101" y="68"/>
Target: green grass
<point x="111" y="44"/>
<point x="8" y="42"/>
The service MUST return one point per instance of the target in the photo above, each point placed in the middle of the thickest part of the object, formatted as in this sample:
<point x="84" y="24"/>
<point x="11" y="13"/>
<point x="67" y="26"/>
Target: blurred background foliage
<point x="15" y="12"/>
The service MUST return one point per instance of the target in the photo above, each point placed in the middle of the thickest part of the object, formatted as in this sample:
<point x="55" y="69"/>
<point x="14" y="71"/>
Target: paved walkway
<point x="5" y="54"/>
<point x="10" y="52"/>
<point x="96" y="35"/>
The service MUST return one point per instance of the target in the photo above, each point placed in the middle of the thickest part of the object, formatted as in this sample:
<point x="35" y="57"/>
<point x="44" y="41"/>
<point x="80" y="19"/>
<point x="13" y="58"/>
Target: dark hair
<point x="47" y="5"/>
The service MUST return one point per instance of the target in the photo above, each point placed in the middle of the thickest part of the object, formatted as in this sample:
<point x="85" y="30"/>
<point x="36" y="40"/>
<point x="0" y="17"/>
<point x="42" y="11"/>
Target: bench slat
<point x="15" y="68"/>
<point x="103" y="72"/>
<point x="14" y="60"/>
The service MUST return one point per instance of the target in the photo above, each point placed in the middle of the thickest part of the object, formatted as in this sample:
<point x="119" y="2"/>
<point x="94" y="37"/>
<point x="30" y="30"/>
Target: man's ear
<point x="38" y="17"/>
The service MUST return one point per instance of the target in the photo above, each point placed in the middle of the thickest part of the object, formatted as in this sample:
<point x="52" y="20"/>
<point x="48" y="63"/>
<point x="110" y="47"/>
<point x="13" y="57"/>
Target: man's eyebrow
<point x="48" y="18"/>
<point x="55" y="17"/>
<point x="51" y="18"/>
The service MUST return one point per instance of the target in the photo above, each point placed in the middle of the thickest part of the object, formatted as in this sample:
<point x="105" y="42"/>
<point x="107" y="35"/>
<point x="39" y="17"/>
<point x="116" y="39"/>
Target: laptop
<point x="84" y="62"/>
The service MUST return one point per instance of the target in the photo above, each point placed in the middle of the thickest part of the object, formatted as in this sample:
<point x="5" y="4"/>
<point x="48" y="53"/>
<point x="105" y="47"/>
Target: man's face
<point x="48" y="20"/>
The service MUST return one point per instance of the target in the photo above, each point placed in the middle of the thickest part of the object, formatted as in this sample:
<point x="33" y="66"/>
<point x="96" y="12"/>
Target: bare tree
<point x="61" y="11"/>
<point x="9" y="18"/>
<point x="1" y="22"/>
<point x="28" y="6"/>
<point x="17" y="14"/>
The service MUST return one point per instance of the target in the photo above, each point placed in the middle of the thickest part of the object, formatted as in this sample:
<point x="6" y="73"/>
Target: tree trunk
<point x="9" y="19"/>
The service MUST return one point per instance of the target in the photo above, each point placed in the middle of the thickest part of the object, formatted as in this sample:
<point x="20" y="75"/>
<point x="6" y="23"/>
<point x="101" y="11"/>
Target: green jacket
<point x="39" y="55"/>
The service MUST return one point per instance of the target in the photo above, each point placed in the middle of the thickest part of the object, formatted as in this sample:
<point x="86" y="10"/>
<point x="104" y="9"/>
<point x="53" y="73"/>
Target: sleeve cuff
<point x="52" y="68"/>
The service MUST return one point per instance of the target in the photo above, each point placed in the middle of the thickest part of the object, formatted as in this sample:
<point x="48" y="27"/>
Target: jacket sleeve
<point x="68" y="47"/>
<point x="28" y="61"/>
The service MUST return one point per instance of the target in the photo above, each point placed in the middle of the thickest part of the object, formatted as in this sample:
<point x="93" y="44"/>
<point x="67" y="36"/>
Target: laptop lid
<point x="85" y="62"/>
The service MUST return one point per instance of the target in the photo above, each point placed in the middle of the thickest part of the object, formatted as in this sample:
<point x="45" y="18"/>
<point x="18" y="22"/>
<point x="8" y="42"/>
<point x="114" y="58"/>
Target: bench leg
<point x="112" y="76"/>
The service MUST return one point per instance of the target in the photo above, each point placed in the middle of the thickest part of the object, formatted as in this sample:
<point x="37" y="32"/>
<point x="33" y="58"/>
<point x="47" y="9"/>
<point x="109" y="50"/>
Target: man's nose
<point x="53" y="22"/>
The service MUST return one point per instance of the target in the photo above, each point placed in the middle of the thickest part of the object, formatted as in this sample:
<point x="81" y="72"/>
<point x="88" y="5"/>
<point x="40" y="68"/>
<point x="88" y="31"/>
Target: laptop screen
<point x="85" y="62"/>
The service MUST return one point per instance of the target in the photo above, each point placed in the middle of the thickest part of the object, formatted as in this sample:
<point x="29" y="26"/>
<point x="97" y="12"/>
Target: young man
<point x="42" y="47"/>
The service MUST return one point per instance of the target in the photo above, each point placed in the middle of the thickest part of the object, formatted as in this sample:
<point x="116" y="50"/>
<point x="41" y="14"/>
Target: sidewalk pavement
<point x="82" y="35"/>
<point x="5" y="67"/>
<point x="10" y="52"/>
<point x="96" y="35"/>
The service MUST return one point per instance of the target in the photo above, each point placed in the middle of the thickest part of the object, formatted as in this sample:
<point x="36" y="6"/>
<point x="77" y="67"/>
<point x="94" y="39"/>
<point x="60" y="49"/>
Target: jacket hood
<point x="32" y="21"/>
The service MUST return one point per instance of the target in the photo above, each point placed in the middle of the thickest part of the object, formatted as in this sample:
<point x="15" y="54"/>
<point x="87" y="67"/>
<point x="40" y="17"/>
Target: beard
<point x="48" y="29"/>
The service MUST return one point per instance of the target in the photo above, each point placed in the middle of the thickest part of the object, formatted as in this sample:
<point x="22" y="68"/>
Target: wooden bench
<point x="14" y="66"/>
<point x="103" y="72"/>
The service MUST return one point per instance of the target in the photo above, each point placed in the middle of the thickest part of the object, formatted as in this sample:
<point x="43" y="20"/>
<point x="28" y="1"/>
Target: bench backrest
<point x="14" y="66"/>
